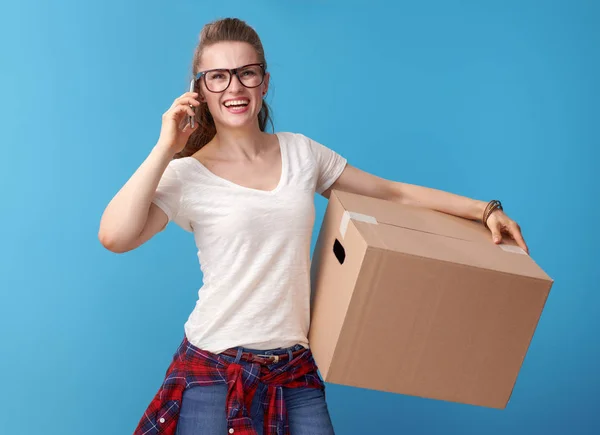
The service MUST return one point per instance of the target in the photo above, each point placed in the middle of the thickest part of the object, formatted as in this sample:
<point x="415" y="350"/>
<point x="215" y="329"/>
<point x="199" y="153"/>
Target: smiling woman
<point x="212" y="73"/>
<point x="245" y="364"/>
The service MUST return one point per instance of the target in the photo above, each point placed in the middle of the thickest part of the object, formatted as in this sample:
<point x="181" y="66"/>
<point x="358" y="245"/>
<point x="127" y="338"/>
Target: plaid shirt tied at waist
<point x="192" y="366"/>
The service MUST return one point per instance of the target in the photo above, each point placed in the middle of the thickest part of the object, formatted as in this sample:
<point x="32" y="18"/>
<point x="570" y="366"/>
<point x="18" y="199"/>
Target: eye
<point x="216" y="76"/>
<point x="248" y="73"/>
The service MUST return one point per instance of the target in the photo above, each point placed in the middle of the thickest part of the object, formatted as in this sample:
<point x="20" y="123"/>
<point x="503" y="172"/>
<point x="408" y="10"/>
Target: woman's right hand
<point x="175" y="129"/>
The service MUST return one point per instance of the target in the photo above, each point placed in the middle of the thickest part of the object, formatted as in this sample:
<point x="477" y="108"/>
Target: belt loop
<point x="239" y="355"/>
<point x="290" y="354"/>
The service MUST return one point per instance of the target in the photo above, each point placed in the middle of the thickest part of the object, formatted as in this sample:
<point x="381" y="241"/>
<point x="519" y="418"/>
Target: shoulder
<point x="176" y="173"/>
<point x="179" y="163"/>
<point x="179" y="167"/>
<point x="289" y="136"/>
<point x="295" y="141"/>
<point x="297" y="146"/>
<point x="306" y="146"/>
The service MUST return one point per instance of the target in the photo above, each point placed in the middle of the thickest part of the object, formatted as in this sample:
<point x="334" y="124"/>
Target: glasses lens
<point x="217" y="80"/>
<point x="251" y="76"/>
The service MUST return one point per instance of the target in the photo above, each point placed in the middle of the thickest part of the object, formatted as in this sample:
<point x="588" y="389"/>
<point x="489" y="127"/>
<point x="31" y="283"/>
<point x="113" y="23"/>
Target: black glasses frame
<point x="231" y="72"/>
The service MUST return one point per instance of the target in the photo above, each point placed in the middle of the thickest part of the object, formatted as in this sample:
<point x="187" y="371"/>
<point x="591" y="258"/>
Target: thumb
<point x="496" y="234"/>
<point x="188" y="130"/>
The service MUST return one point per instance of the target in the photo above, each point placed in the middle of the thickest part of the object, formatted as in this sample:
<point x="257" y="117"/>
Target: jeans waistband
<point x="263" y="352"/>
<point x="186" y="347"/>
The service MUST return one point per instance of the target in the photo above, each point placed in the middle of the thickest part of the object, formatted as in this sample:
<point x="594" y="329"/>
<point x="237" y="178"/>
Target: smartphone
<point x="191" y="118"/>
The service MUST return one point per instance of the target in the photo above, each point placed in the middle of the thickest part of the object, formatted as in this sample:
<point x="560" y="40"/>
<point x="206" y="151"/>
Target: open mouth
<point x="236" y="104"/>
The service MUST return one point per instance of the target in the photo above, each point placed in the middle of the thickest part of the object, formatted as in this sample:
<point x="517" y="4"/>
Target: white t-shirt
<point x="253" y="246"/>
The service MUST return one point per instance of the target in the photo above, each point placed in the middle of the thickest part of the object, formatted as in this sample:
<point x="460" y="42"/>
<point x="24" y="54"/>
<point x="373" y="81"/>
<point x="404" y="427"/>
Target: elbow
<point x="404" y="193"/>
<point x="111" y="243"/>
<point x="393" y="191"/>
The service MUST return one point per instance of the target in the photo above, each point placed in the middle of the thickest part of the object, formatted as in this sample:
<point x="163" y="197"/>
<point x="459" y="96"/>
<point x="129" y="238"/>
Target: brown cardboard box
<point x="417" y="302"/>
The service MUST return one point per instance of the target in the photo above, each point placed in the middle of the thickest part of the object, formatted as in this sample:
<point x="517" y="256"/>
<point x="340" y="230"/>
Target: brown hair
<point x="227" y="29"/>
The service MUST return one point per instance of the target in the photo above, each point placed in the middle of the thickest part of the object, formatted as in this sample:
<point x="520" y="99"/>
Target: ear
<point x="200" y="91"/>
<point x="266" y="84"/>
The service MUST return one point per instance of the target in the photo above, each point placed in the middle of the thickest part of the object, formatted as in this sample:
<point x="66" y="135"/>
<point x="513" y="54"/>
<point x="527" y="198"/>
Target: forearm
<point x="438" y="200"/>
<point x="125" y="216"/>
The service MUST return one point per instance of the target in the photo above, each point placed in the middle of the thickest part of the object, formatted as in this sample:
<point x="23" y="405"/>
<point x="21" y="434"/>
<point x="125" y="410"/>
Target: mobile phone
<point x="191" y="118"/>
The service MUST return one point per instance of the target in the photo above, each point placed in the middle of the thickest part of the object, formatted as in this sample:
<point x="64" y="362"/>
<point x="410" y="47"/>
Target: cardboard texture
<point x="412" y="301"/>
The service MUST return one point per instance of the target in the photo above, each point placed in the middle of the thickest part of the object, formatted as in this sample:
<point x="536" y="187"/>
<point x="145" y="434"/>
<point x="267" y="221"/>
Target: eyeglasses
<point x="218" y="80"/>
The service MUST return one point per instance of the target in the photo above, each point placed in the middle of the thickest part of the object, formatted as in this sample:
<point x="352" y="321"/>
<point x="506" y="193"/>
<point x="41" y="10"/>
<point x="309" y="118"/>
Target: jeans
<point x="203" y="407"/>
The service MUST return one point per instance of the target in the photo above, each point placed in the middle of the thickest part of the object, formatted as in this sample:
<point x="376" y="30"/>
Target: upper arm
<point x="156" y="222"/>
<point x="357" y="181"/>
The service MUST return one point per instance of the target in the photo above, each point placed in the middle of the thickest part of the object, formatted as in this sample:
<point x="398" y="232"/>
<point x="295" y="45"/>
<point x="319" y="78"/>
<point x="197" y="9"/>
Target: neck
<point x="246" y="142"/>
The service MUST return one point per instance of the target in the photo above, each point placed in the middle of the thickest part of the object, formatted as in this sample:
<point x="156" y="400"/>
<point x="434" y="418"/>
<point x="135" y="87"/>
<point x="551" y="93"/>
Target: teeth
<point x="235" y="103"/>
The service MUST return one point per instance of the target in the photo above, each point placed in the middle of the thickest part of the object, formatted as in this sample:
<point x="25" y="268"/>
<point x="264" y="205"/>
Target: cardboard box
<point x="417" y="302"/>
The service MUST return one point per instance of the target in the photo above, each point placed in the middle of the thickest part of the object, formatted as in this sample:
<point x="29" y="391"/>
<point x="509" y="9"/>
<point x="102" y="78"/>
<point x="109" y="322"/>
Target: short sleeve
<point x="169" y="196"/>
<point x="330" y="165"/>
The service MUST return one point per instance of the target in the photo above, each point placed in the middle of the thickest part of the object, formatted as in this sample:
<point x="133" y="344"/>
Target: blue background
<point x="482" y="99"/>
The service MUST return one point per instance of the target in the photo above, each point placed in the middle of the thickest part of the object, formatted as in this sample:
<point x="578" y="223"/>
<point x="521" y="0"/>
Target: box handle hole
<point x="339" y="251"/>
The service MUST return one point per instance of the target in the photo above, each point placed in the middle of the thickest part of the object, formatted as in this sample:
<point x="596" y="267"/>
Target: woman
<point x="244" y="365"/>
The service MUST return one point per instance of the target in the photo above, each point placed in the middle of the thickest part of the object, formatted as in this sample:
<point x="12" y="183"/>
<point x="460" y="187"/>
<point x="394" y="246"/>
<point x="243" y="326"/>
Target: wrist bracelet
<point x="491" y="207"/>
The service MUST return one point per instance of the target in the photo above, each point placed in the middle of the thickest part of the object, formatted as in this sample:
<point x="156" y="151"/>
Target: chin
<point x="238" y="121"/>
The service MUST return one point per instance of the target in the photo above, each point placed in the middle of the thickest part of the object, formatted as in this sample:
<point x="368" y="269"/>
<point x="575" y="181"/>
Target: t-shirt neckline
<point x="283" y="156"/>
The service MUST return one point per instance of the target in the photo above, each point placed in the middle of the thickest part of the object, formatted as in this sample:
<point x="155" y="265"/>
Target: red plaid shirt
<point x="192" y="365"/>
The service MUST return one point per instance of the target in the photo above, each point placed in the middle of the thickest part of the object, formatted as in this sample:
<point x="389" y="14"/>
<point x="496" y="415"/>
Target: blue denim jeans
<point x="203" y="407"/>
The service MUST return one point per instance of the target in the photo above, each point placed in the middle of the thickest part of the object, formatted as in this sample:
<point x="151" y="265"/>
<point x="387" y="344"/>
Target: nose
<point x="236" y="84"/>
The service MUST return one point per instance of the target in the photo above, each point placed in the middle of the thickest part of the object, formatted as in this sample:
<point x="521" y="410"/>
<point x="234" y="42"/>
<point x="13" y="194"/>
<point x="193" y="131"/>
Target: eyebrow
<point x="227" y="69"/>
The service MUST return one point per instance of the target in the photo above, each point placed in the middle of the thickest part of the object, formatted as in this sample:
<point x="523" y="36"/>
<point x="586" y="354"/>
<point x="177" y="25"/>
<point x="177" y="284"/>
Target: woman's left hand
<point x="499" y="223"/>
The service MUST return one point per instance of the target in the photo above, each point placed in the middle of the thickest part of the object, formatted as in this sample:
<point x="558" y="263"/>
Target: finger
<point x="184" y="125"/>
<point x="187" y="129"/>
<point x="515" y="233"/>
<point x="182" y="108"/>
<point x="189" y="100"/>
<point x="190" y="111"/>
<point x="496" y="233"/>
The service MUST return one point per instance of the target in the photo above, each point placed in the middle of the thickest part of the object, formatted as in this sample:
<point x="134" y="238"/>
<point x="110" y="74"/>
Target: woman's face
<point x="237" y="106"/>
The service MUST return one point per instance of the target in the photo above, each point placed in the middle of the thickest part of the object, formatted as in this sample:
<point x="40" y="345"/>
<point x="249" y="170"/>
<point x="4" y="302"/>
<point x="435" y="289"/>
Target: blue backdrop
<point x="479" y="98"/>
